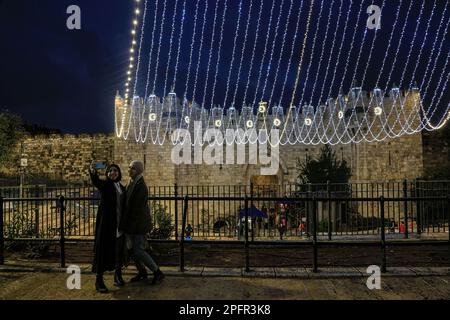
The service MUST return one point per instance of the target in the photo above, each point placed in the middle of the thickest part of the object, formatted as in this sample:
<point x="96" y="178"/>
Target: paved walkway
<point x="24" y="281"/>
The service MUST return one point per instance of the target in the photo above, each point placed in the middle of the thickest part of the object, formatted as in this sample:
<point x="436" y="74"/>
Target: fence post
<point x="329" y="210"/>
<point x="2" y="235"/>
<point x="176" y="212"/>
<point x="314" y="216"/>
<point x="448" y="226"/>
<point x="251" y="206"/>
<point x="418" y="210"/>
<point x="405" y="207"/>
<point x="383" y="236"/>
<point x="62" y="232"/>
<point x="247" y="258"/>
<point x="183" y="226"/>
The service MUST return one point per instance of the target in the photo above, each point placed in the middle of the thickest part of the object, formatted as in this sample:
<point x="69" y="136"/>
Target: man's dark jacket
<point x="136" y="218"/>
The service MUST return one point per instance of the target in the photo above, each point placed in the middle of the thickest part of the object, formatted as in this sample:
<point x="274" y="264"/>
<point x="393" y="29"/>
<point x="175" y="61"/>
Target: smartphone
<point x="100" y="165"/>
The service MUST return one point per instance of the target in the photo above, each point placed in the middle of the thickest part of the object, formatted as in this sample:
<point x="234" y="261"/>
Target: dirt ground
<point x="52" y="286"/>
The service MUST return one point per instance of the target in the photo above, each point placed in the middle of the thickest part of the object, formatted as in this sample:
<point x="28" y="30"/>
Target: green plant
<point x="162" y="222"/>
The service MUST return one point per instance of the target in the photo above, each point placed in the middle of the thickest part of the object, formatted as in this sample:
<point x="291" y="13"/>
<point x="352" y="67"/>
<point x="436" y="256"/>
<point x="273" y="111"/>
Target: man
<point x="136" y="223"/>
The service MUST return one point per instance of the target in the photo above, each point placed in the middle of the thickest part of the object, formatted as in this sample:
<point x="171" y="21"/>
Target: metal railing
<point x="311" y="218"/>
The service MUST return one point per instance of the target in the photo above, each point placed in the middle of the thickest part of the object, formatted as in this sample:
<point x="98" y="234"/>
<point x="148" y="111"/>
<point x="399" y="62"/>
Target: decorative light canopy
<point x="266" y="50"/>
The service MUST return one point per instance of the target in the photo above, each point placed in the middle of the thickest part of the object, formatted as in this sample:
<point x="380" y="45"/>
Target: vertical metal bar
<point x="314" y="216"/>
<point x="2" y="235"/>
<point x="418" y="210"/>
<point x="405" y="207"/>
<point x="329" y="210"/>
<point x="176" y="211"/>
<point x="183" y="224"/>
<point x="251" y="208"/>
<point x="61" y="230"/>
<point x="247" y="257"/>
<point x="383" y="237"/>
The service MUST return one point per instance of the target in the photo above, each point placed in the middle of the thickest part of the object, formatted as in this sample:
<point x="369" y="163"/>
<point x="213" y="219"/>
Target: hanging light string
<point x="170" y="46"/>
<point x="230" y="69"/>
<point x="127" y="90"/>
<point x="348" y="122"/>
<point x="332" y="112"/>
<point x="421" y="124"/>
<point x="242" y="52"/>
<point x="318" y="71"/>
<point x="151" y="50"/>
<point x="269" y="67"/>
<point x="258" y="23"/>
<point x="192" y="49"/>
<point x="366" y="112"/>
<point x="219" y="53"/>
<point x="293" y="45"/>
<point x="210" y="53"/>
<point x="404" y="127"/>
<point x="385" y="124"/>
<point x="179" y="45"/>
<point x="263" y="57"/>
<point x="291" y="53"/>
<point x="299" y="68"/>
<point x="200" y="51"/>
<point x="159" y="45"/>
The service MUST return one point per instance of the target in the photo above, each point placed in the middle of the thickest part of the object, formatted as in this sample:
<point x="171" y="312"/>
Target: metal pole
<point x="383" y="237"/>
<point x="329" y="210"/>
<point x="448" y="226"/>
<point x="314" y="209"/>
<point x="176" y="212"/>
<point x="419" y="211"/>
<point x="61" y="231"/>
<point x="251" y="206"/>
<point x="183" y="225"/>
<point x="247" y="257"/>
<point x="2" y="235"/>
<point x="405" y="207"/>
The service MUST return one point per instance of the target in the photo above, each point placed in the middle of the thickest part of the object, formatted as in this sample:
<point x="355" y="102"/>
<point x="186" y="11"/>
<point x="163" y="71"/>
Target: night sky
<point x="67" y="79"/>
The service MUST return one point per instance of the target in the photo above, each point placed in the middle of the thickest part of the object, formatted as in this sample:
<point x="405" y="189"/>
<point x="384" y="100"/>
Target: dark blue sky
<point x="67" y="79"/>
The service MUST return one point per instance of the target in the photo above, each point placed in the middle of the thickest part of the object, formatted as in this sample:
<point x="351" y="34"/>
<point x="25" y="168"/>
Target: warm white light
<point x="129" y="79"/>
<point x="276" y="122"/>
<point x="187" y="119"/>
<point x="340" y="114"/>
<point x="218" y="123"/>
<point x="133" y="31"/>
<point x="131" y="58"/>
<point x="126" y="84"/>
<point x="152" y="116"/>
<point x="378" y="111"/>
<point x="308" y="121"/>
<point x="128" y="72"/>
<point x="137" y="11"/>
<point x="262" y="108"/>
<point x="135" y="22"/>
<point x="131" y="50"/>
<point x="249" y="124"/>
<point x="134" y="42"/>
<point x="131" y="66"/>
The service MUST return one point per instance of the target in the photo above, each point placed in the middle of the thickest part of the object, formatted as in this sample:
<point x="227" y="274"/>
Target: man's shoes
<point x="118" y="280"/>
<point x="100" y="285"/>
<point x="139" y="277"/>
<point x="158" y="276"/>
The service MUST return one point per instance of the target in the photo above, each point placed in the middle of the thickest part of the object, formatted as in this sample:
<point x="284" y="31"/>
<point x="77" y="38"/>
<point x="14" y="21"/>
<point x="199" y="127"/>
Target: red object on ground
<point x="402" y="227"/>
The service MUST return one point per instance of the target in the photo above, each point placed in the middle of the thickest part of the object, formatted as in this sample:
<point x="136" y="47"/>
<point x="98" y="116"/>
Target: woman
<point x="109" y="240"/>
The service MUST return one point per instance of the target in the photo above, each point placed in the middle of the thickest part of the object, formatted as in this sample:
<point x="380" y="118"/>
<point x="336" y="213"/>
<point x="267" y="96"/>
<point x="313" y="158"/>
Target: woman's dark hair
<point x="118" y="170"/>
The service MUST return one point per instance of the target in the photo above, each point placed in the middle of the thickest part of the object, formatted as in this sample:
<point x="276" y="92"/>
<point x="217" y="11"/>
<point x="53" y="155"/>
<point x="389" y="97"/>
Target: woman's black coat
<point x="106" y="225"/>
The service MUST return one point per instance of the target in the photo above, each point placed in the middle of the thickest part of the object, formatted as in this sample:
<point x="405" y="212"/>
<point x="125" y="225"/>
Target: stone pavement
<point x="48" y="282"/>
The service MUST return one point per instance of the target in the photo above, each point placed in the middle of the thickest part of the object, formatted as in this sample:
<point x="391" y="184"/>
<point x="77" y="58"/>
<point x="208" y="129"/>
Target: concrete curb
<point x="259" y="272"/>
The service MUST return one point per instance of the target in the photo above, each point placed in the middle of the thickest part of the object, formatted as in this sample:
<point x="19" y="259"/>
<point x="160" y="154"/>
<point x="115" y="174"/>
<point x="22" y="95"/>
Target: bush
<point x="162" y="222"/>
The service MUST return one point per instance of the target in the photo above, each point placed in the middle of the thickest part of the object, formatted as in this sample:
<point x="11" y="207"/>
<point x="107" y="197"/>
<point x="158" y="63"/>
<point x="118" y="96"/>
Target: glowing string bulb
<point x="249" y="124"/>
<point x="378" y="111"/>
<point x="152" y="117"/>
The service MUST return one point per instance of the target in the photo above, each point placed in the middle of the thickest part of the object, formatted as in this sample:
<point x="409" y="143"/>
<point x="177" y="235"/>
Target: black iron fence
<point x="34" y="212"/>
<point x="62" y="229"/>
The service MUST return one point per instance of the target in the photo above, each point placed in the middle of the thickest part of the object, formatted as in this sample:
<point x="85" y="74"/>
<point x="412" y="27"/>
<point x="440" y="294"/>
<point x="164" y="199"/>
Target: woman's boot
<point x="157" y="276"/>
<point x="100" y="284"/>
<point x="118" y="280"/>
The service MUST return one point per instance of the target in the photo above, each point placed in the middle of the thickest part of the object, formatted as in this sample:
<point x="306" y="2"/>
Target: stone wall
<point x="60" y="157"/>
